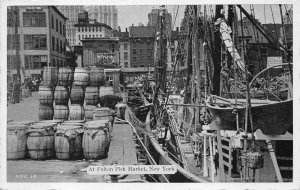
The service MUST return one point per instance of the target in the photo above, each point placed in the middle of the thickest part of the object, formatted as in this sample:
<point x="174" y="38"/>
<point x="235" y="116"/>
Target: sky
<point x="134" y="14"/>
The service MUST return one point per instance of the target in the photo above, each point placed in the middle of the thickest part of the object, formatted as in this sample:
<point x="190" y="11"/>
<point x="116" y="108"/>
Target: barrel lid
<point x="12" y="127"/>
<point x="42" y="125"/>
<point x="95" y="126"/>
<point x="73" y="124"/>
<point x="68" y="127"/>
<point x="74" y="121"/>
<point x="97" y="121"/>
<point x="103" y="108"/>
<point x="52" y="121"/>
<point x="21" y="122"/>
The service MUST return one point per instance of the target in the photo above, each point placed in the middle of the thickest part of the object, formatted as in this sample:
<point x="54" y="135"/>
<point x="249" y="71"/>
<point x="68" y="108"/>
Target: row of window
<point x="141" y="51"/>
<point x="142" y="58"/>
<point x="34" y="19"/>
<point x="89" y="29"/>
<point x="58" y="45"/>
<point x="61" y="28"/>
<point x="81" y="37"/>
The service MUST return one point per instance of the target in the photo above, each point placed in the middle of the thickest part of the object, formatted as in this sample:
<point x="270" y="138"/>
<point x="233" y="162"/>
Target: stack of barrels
<point x="46" y="93"/>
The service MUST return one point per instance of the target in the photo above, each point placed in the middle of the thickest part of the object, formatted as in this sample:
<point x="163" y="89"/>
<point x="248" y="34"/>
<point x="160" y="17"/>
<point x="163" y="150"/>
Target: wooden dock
<point x="122" y="149"/>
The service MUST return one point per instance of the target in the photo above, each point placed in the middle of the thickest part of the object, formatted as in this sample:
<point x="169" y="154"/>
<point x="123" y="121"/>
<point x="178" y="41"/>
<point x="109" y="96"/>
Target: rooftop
<point x="141" y="31"/>
<point x="93" y="24"/>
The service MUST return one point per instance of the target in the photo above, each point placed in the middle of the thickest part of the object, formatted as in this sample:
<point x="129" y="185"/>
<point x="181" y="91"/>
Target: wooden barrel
<point x="50" y="76"/>
<point x="16" y="141"/>
<point x="89" y="111"/>
<point x="74" y="121"/>
<point x="77" y="95"/>
<point x="45" y="112"/>
<point x="121" y="108"/>
<point x="95" y="141"/>
<point x="65" y="76"/>
<point x="103" y="113"/>
<point x="40" y="141"/>
<point x="76" y="112"/>
<point x="106" y="90"/>
<point x="61" y="95"/>
<point x="68" y="142"/>
<point x="61" y="112"/>
<point x="97" y="76"/>
<point x="46" y="95"/>
<point x="81" y="77"/>
<point x="91" y="95"/>
<point x="105" y="122"/>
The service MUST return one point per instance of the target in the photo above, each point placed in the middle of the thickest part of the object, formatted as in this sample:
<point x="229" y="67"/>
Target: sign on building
<point x="273" y="61"/>
<point x="106" y="58"/>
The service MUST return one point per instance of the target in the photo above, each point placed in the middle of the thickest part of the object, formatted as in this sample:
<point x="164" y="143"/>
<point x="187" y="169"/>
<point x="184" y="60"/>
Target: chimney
<point x="126" y="30"/>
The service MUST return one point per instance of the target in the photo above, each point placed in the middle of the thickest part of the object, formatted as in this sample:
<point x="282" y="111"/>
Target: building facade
<point x="107" y="14"/>
<point x="40" y="39"/>
<point x="124" y="49"/>
<point x="90" y="28"/>
<point x="141" y="40"/>
<point x="71" y="12"/>
<point x="154" y="20"/>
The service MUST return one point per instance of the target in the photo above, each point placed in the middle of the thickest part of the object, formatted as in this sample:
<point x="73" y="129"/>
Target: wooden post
<point x="274" y="160"/>
<point x="212" y="166"/>
<point x="221" y="164"/>
<point x="205" y="173"/>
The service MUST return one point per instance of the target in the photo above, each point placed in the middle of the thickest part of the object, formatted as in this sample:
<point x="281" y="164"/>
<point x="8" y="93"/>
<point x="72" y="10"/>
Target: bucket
<point x="68" y="142"/>
<point x="50" y="76"/>
<point x="45" y="95"/>
<point x="77" y="95"/>
<point x="61" y="112"/>
<point x="45" y="112"/>
<point x="61" y="95"/>
<point x="16" y="141"/>
<point x="81" y="77"/>
<point x="91" y="95"/>
<point x="76" y="112"/>
<point x="95" y="141"/>
<point x="40" y="141"/>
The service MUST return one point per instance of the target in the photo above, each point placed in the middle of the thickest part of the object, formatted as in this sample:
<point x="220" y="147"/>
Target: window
<point x="60" y="47"/>
<point x="93" y="29"/>
<point x="11" y="17"/>
<point x="126" y="64"/>
<point x="35" y="41"/>
<point x="149" y="51"/>
<point x="78" y="29"/>
<point x="57" y="45"/>
<point x="125" y="55"/>
<point x="134" y="51"/>
<point x="85" y="29"/>
<point x="13" y="41"/>
<point x="134" y="59"/>
<point x="89" y="29"/>
<point x="141" y="51"/>
<point x="93" y="35"/>
<point x="78" y="37"/>
<point x="60" y="27"/>
<point x="34" y="19"/>
<point x="53" y="43"/>
<point x="82" y="36"/>
<point x="64" y="30"/>
<point x="125" y="46"/>
<point x="56" y="25"/>
<point x="89" y="35"/>
<point x="99" y="28"/>
<point x="12" y="62"/>
<point x="35" y="61"/>
<point x="96" y="29"/>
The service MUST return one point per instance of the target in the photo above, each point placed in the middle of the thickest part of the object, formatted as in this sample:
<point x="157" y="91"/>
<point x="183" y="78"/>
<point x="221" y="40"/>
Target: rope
<point x="274" y="22"/>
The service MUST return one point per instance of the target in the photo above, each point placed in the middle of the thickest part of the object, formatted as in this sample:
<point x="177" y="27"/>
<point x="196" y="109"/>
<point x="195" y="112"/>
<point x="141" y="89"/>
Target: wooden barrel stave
<point x="77" y="95"/>
<point x="46" y="95"/>
<point x="16" y="146"/>
<point x="61" y="112"/>
<point x="91" y="95"/>
<point x="61" y="95"/>
<point x="97" y="76"/>
<point x="45" y="112"/>
<point x="81" y="77"/>
<point x="76" y="112"/>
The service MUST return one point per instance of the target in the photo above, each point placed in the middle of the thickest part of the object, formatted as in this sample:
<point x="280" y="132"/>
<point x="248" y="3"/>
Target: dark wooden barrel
<point x="50" y="76"/>
<point x="81" y="77"/>
<point x="40" y="141"/>
<point x="91" y="95"/>
<point x="76" y="112"/>
<point x="68" y="142"/>
<point x="105" y="123"/>
<point x="77" y="95"/>
<point x="61" y="95"/>
<point x="95" y="141"/>
<point x="65" y="76"/>
<point x="61" y="112"/>
<point x="46" y="95"/>
<point x="97" y="76"/>
<point x="16" y="141"/>
<point x="45" y="112"/>
<point x="89" y="111"/>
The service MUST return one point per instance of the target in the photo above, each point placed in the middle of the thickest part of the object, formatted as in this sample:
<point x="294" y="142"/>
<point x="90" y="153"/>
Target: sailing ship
<point x="238" y="129"/>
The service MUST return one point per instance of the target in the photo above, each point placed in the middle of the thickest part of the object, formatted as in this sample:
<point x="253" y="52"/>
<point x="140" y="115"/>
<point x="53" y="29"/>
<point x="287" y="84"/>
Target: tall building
<point x="153" y="19"/>
<point x="107" y="14"/>
<point x="124" y="49"/>
<point x="71" y="12"/>
<point x="40" y="39"/>
<point x="141" y="39"/>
